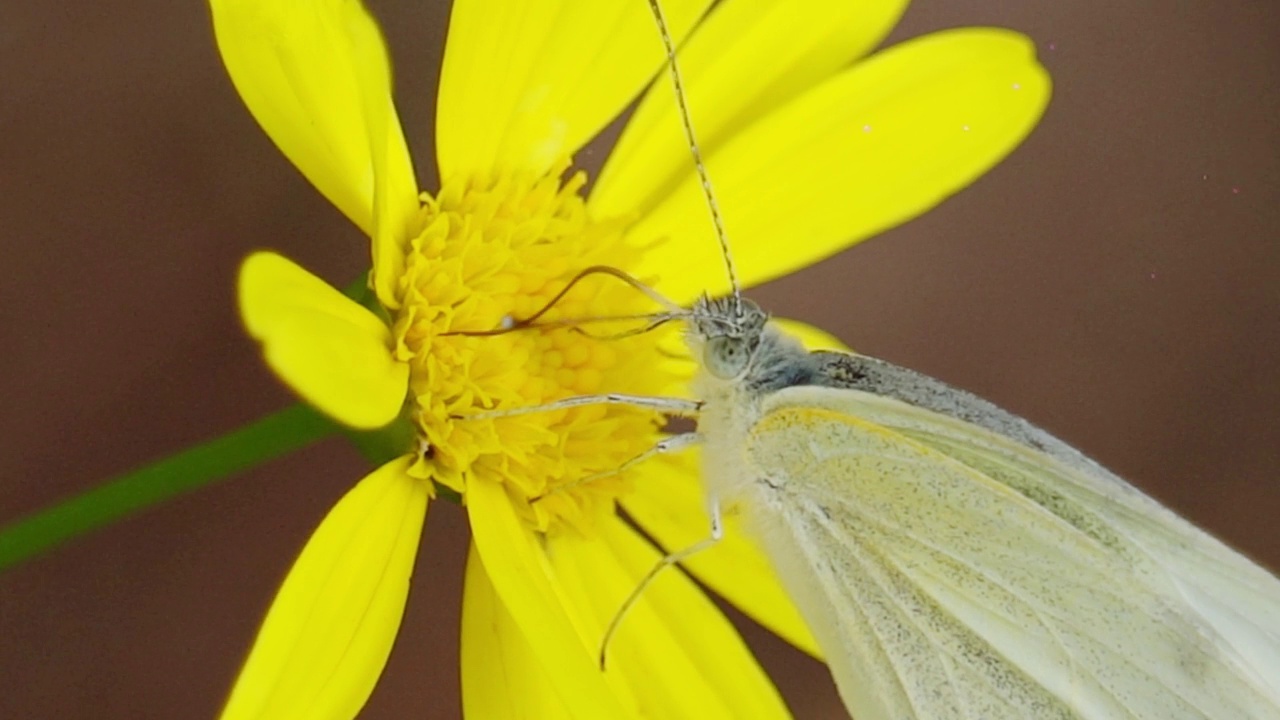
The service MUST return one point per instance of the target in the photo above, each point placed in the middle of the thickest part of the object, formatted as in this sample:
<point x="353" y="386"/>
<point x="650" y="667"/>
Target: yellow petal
<point x="871" y="148"/>
<point x="675" y="653"/>
<point x="299" y="66"/>
<point x="743" y="61"/>
<point x="523" y="580"/>
<point x="502" y="676"/>
<point x="525" y="85"/>
<point x="332" y="351"/>
<point x="395" y="191"/>
<point x="331" y="627"/>
<point x="669" y="504"/>
<point x="813" y="338"/>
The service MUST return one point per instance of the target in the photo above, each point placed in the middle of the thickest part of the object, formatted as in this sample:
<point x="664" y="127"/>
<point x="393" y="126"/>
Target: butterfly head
<point x="727" y="332"/>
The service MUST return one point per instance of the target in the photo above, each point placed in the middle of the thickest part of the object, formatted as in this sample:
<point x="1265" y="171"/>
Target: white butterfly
<point x="954" y="561"/>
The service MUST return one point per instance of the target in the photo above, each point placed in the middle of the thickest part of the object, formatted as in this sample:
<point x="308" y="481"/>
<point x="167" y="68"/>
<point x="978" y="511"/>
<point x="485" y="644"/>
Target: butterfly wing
<point x="1238" y="598"/>
<point x="949" y="573"/>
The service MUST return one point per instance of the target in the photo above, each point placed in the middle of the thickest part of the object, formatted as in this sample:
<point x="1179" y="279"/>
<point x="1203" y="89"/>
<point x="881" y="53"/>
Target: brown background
<point x="1117" y="280"/>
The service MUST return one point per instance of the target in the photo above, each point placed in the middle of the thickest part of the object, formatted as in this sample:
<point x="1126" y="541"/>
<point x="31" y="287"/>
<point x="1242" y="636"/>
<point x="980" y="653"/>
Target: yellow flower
<point x="809" y="153"/>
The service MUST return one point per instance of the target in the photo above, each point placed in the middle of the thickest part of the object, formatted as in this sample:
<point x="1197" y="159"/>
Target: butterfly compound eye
<point x="725" y="357"/>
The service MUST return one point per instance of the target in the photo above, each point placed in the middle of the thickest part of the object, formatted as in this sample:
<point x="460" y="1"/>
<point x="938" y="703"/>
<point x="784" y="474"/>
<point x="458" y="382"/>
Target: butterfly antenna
<point x="683" y="106"/>
<point x="509" y="323"/>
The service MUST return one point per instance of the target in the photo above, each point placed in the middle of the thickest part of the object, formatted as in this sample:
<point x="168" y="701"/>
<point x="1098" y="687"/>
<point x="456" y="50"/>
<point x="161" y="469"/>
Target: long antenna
<point x="683" y="107"/>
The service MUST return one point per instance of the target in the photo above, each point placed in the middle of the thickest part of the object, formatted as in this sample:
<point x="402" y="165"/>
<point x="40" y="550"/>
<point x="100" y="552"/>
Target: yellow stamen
<point x="502" y="247"/>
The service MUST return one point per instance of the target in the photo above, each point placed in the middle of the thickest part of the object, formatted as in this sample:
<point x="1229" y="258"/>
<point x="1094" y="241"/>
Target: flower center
<point x="484" y="252"/>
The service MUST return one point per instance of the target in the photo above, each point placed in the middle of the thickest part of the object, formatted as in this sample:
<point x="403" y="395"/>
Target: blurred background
<point x="1117" y="281"/>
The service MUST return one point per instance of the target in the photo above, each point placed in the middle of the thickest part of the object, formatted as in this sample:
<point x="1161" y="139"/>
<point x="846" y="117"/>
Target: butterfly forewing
<point x="950" y="572"/>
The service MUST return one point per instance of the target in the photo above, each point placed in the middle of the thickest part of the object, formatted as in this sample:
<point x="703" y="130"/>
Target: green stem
<point x="270" y="437"/>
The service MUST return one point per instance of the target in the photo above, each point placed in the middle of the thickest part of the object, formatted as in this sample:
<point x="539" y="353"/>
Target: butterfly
<point x="955" y="561"/>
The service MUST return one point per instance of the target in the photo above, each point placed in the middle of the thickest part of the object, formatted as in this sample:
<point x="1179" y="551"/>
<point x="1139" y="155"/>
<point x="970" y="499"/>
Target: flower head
<point x="810" y="154"/>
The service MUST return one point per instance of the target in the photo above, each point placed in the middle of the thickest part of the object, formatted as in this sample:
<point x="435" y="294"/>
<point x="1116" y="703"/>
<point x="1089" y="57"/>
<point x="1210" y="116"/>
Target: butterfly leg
<point x="671" y="406"/>
<point x="666" y="446"/>
<point x="713" y="537"/>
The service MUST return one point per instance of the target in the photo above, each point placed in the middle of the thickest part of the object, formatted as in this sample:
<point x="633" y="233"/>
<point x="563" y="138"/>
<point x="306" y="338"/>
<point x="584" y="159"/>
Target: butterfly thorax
<point x="742" y="359"/>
